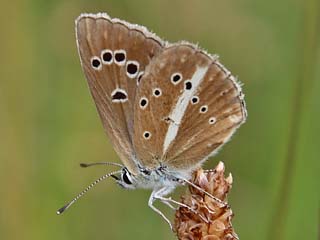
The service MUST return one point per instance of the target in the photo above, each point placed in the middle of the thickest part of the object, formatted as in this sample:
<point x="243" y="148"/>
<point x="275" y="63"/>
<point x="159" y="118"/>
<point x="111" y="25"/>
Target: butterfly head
<point x="128" y="180"/>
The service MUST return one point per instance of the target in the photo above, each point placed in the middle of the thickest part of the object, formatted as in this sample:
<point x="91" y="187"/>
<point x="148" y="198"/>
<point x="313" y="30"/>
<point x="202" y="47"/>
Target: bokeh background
<point x="48" y="122"/>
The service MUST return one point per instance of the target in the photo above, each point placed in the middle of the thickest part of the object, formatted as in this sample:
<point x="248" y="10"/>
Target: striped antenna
<point x="65" y="207"/>
<point x="84" y="165"/>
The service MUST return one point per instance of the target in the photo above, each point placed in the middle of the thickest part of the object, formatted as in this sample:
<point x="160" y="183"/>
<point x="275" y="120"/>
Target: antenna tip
<point x="61" y="210"/>
<point x="84" y="165"/>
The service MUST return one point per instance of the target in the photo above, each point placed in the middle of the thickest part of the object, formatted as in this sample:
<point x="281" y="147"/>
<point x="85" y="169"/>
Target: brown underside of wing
<point x="196" y="138"/>
<point x="155" y="117"/>
<point x="95" y="35"/>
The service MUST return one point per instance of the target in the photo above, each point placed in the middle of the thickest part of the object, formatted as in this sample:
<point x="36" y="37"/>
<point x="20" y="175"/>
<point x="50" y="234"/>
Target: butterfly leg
<point x="162" y="192"/>
<point x="168" y="204"/>
<point x="160" y="195"/>
<point x="152" y="198"/>
<point x="169" y="199"/>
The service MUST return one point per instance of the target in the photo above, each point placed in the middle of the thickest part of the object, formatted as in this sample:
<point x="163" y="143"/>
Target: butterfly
<point x="166" y="108"/>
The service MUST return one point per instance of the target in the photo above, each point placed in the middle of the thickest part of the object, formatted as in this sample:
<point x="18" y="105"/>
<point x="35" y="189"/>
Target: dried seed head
<point x="212" y="221"/>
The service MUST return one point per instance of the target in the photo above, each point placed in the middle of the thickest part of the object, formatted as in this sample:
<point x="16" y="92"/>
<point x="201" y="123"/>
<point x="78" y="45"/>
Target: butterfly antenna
<point x="203" y="191"/>
<point x="84" y="165"/>
<point x="65" y="207"/>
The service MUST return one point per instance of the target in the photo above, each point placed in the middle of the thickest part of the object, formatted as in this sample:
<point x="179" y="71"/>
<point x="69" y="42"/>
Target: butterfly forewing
<point x="114" y="55"/>
<point x="199" y="108"/>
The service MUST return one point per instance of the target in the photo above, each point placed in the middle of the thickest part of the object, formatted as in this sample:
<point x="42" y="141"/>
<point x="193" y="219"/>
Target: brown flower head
<point x="211" y="218"/>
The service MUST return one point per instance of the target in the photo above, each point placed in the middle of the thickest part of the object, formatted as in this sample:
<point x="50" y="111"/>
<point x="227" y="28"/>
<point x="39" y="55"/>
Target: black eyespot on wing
<point x="119" y="95"/>
<point x="195" y="100"/>
<point x="119" y="56"/>
<point x="95" y="63"/>
<point x="132" y="68"/>
<point x="157" y="92"/>
<point x="204" y="109"/>
<point x="212" y="120"/>
<point x="146" y="135"/>
<point x="176" y="78"/>
<point x="143" y="102"/>
<point x="107" y="56"/>
<point x="140" y="74"/>
<point x="188" y="85"/>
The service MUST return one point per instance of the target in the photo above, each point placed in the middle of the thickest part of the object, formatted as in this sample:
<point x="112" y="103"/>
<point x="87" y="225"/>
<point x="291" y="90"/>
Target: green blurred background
<point x="48" y="122"/>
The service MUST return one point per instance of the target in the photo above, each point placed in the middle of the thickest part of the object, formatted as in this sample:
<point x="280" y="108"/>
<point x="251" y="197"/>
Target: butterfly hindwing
<point x="210" y="122"/>
<point x="198" y="109"/>
<point x="114" y="55"/>
<point x="167" y="74"/>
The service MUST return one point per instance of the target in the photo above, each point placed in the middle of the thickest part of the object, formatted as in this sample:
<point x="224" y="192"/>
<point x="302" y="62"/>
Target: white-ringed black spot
<point x="143" y="102"/>
<point x="203" y="109"/>
<point x="107" y="56"/>
<point x="176" y="78"/>
<point x="194" y="99"/>
<point x="146" y="135"/>
<point x="119" y="57"/>
<point x="119" y="95"/>
<point x="96" y="63"/>
<point x="157" y="92"/>
<point x="132" y="69"/>
<point x="140" y="74"/>
<point x="187" y="85"/>
<point x="212" y="120"/>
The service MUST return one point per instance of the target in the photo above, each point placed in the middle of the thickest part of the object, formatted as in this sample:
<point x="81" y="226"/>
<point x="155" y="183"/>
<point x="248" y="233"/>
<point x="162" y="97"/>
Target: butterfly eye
<point x="194" y="100"/>
<point x="203" y="109"/>
<point x="176" y="78"/>
<point x="126" y="178"/>
<point x="188" y="85"/>
<point x="132" y="69"/>
<point x="157" y="92"/>
<point x="143" y="102"/>
<point x="147" y="135"/>
<point x="96" y="63"/>
<point x="120" y="57"/>
<point x="212" y="120"/>
<point x="107" y="56"/>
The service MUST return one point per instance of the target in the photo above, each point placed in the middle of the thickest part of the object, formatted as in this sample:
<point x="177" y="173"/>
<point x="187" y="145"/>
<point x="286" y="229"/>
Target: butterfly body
<point x="149" y="179"/>
<point x="165" y="107"/>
